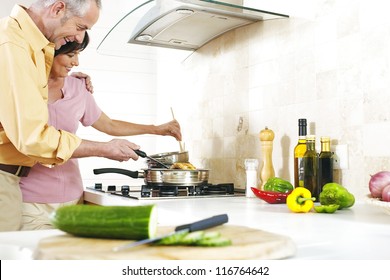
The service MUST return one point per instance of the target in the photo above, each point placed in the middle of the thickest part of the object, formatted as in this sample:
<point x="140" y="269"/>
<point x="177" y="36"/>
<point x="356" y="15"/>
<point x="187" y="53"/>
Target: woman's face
<point x="63" y="64"/>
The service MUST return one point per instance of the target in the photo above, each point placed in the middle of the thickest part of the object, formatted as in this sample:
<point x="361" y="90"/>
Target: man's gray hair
<point x="76" y="8"/>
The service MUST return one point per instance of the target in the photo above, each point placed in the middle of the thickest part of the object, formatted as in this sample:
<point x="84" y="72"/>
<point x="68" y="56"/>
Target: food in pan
<point x="183" y="165"/>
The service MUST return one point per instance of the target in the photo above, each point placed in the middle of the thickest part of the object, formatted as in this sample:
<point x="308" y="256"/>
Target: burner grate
<point x="167" y="191"/>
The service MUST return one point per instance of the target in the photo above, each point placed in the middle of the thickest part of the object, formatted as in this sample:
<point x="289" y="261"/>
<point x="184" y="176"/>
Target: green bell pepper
<point x="333" y="193"/>
<point x="276" y="184"/>
<point x="331" y="208"/>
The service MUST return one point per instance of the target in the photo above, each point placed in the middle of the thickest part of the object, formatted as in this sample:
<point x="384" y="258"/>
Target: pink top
<point x="62" y="183"/>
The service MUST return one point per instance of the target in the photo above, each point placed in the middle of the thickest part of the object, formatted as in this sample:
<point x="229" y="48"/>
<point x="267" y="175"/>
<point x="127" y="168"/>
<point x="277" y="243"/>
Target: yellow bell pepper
<point x="300" y="200"/>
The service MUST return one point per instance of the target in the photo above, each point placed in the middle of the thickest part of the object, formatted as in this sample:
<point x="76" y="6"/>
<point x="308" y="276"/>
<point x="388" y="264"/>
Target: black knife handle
<point x="205" y="224"/>
<point x="140" y="153"/>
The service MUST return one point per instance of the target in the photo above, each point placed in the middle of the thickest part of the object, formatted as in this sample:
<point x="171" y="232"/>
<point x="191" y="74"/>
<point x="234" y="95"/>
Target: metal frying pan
<point x="161" y="176"/>
<point x="168" y="158"/>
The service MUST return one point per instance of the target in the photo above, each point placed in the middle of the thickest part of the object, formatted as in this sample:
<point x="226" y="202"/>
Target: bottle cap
<point x="251" y="163"/>
<point x="302" y="127"/>
<point x="325" y="139"/>
<point x="311" y="138"/>
<point x="302" y="122"/>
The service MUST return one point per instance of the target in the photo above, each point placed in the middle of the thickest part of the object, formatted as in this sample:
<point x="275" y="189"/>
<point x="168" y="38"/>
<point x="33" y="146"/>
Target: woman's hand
<point x="171" y="128"/>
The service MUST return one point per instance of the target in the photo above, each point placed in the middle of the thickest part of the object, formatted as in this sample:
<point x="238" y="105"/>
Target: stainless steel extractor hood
<point x="189" y="24"/>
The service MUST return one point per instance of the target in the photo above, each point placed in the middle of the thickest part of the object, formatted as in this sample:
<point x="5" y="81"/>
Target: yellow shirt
<point x="26" y="57"/>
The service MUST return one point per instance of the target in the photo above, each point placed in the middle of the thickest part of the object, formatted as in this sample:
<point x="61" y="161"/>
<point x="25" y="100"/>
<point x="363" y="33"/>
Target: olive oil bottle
<point x="299" y="151"/>
<point x="325" y="164"/>
<point x="310" y="165"/>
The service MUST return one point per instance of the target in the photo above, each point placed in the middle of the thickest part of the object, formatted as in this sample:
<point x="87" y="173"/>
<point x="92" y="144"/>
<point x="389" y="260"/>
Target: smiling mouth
<point x="67" y="40"/>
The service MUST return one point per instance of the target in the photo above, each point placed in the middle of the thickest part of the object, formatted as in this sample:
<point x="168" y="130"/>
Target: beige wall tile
<point x="332" y="69"/>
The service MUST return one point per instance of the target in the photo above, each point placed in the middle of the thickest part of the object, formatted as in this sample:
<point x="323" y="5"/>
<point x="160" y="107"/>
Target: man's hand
<point x="87" y="78"/>
<point x="120" y="150"/>
<point x="116" y="149"/>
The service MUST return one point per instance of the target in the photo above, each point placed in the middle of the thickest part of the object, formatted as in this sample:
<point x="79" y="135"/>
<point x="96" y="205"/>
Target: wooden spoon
<point x="182" y="146"/>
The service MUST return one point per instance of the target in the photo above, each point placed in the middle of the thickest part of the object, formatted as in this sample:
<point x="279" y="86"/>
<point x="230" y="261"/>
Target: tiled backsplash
<point x="333" y="70"/>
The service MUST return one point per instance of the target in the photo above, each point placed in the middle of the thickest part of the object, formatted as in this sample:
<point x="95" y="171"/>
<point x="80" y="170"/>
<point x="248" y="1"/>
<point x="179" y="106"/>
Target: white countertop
<point x="361" y="232"/>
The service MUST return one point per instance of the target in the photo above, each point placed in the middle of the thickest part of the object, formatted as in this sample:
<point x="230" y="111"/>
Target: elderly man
<point x="28" y="38"/>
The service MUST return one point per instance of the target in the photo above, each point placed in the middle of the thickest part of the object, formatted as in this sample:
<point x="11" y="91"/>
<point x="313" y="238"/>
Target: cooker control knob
<point x="125" y="189"/>
<point x="98" y="186"/>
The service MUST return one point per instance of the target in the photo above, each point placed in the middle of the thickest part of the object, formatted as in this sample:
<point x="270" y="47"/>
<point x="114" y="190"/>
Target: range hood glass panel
<point x="237" y="6"/>
<point x="192" y="30"/>
<point x="178" y="30"/>
<point x="115" y="41"/>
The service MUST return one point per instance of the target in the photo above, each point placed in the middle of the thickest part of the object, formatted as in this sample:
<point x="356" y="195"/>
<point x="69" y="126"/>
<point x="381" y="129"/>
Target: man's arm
<point x="116" y="149"/>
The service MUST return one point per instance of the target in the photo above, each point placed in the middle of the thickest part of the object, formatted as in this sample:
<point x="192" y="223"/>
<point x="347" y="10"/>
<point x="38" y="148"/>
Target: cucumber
<point x="192" y="237"/>
<point x="172" y="239"/>
<point x="211" y="234"/>
<point x="214" y="242"/>
<point x="196" y="238"/>
<point x="116" y="222"/>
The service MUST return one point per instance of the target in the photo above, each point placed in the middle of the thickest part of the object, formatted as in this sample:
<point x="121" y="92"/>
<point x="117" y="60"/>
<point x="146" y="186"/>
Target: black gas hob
<point x="155" y="191"/>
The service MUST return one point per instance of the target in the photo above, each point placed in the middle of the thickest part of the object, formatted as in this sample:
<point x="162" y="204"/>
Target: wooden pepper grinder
<point x="267" y="169"/>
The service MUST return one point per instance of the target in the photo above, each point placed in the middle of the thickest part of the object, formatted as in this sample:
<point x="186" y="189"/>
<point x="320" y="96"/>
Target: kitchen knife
<point x="199" y="225"/>
<point x="144" y="155"/>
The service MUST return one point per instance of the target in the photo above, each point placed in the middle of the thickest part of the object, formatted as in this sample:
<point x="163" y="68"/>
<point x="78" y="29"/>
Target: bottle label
<point x="251" y="182"/>
<point x="301" y="172"/>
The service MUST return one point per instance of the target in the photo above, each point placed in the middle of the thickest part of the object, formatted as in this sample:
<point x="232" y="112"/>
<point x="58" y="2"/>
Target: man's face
<point x="73" y="28"/>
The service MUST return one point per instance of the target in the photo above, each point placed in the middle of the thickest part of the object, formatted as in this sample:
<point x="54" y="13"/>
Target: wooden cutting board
<point x="248" y="243"/>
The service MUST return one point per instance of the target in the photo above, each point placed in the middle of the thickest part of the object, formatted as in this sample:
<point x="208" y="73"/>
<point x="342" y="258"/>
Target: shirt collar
<point x="31" y="32"/>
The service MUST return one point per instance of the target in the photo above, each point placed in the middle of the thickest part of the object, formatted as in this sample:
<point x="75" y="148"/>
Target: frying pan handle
<point x="132" y="174"/>
<point x="143" y="155"/>
<point x="140" y="153"/>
